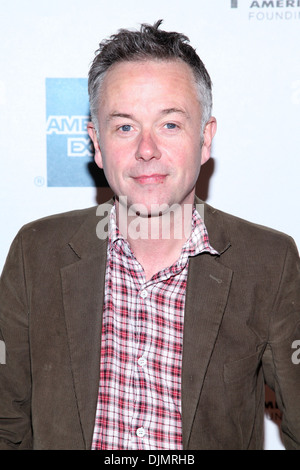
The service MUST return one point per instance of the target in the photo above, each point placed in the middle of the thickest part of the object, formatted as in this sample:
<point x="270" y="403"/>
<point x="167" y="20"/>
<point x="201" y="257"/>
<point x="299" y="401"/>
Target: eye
<point x="171" y="125"/>
<point x="125" y="128"/>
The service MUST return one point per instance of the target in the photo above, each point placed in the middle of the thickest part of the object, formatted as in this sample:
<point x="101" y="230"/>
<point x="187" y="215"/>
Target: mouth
<point x="150" y="179"/>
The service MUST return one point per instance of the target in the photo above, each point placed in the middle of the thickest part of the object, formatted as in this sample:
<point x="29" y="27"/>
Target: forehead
<point x="141" y="77"/>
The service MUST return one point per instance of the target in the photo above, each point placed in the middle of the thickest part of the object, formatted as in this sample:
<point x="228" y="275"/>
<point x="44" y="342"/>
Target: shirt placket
<point x="138" y="324"/>
<point x="143" y="410"/>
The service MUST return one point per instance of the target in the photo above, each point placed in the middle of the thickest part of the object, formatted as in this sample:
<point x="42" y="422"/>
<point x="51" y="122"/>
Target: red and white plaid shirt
<point x="139" y="402"/>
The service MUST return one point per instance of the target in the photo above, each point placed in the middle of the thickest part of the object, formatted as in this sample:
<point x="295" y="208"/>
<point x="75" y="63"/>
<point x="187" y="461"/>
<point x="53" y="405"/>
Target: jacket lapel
<point x="83" y="293"/>
<point x="205" y="304"/>
<point x="208" y="288"/>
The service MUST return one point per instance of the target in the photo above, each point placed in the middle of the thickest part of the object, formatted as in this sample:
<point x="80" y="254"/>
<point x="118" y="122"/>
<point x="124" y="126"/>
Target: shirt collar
<point x="197" y="243"/>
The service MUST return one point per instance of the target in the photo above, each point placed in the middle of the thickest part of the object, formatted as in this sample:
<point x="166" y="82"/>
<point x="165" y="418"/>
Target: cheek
<point x="113" y="164"/>
<point x="187" y="156"/>
<point x="189" y="164"/>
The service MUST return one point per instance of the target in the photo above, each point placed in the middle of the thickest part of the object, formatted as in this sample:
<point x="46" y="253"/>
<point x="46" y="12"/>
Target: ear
<point x="94" y="138"/>
<point x="208" y="135"/>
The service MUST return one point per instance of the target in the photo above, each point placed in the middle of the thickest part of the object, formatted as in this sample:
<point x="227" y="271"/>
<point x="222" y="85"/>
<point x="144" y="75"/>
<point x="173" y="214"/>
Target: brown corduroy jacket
<point x="242" y="318"/>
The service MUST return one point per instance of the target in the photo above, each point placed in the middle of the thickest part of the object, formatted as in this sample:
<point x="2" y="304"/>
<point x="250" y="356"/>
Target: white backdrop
<point x="251" y="50"/>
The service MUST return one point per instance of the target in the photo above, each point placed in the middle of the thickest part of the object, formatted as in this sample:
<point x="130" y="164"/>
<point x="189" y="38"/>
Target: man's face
<point x="150" y="132"/>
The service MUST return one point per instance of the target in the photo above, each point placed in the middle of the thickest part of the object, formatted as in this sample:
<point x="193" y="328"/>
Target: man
<point x="142" y="324"/>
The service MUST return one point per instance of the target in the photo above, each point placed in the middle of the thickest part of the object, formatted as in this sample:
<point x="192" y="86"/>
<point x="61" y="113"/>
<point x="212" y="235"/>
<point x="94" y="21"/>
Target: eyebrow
<point x="117" y="115"/>
<point x="173" y="110"/>
<point x="164" y="112"/>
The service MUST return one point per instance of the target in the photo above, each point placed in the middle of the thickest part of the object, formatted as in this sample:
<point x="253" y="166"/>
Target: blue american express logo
<point x="69" y="149"/>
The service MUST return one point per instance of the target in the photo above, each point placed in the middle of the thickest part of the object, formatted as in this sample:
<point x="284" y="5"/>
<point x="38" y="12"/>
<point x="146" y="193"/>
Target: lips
<point x="155" y="178"/>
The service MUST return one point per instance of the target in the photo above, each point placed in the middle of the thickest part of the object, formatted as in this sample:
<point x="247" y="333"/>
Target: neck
<point x="156" y="240"/>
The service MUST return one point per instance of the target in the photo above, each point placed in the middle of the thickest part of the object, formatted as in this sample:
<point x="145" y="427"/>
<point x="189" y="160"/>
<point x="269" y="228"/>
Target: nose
<point x="147" y="147"/>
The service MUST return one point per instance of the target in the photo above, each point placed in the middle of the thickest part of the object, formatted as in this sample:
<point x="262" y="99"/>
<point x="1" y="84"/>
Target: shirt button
<point x="140" y="432"/>
<point x="142" y="361"/>
<point x="143" y="293"/>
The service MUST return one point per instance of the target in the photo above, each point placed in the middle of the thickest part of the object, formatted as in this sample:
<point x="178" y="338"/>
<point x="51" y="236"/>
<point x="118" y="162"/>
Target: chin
<point x="146" y="210"/>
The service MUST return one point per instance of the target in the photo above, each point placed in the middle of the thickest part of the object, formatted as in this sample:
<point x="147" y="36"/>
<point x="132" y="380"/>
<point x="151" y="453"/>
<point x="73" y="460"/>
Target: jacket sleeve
<point x="15" y="376"/>
<point x="281" y="362"/>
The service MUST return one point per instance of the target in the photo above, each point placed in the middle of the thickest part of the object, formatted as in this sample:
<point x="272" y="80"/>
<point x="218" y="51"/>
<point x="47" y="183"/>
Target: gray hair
<point x="148" y="43"/>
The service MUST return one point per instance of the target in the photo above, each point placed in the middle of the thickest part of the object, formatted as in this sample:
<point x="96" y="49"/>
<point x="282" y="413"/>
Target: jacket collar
<point x="214" y="222"/>
<point x="91" y="238"/>
<point x="86" y="243"/>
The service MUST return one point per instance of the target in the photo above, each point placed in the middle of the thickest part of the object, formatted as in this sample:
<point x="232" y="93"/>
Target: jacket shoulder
<point x="56" y="238"/>
<point x="69" y="219"/>
<point x="241" y="232"/>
